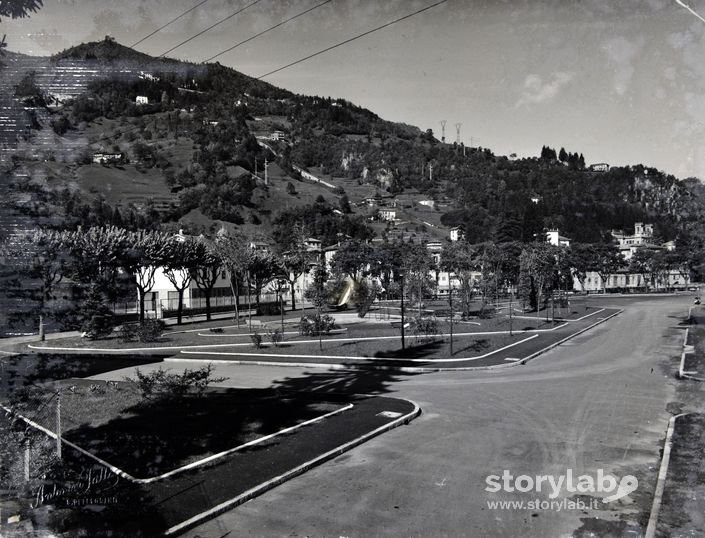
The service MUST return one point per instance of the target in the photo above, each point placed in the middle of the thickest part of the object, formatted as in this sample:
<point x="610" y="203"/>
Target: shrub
<point x="275" y="336"/>
<point x="98" y="325"/>
<point x="150" y="330"/>
<point x="268" y="309"/>
<point x="256" y="340"/>
<point x="163" y="385"/>
<point x="425" y="328"/>
<point x="128" y="332"/>
<point x="316" y="324"/>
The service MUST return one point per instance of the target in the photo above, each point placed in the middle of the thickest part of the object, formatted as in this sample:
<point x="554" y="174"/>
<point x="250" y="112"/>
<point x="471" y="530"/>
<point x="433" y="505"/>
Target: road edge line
<point x="269" y="484"/>
<point x="556" y="344"/>
<point x="662" y="474"/>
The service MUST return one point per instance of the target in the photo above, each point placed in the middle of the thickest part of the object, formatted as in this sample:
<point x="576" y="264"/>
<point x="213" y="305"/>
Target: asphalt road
<point x="597" y="402"/>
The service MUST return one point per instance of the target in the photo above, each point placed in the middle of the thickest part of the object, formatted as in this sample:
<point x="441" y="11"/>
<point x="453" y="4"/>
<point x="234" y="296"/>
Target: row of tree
<point x="110" y="262"/>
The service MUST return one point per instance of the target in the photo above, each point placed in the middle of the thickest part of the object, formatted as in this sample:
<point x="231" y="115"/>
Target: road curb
<point x="681" y="369"/>
<point x="269" y="484"/>
<point x="556" y="344"/>
<point x="662" y="474"/>
<point x="404" y="369"/>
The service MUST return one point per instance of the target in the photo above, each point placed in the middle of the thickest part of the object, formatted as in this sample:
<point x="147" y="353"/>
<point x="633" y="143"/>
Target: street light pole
<point x="450" y="301"/>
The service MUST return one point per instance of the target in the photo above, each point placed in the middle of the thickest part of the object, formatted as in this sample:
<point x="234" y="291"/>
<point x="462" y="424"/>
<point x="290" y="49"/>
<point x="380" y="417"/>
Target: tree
<point x="580" y="257"/>
<point x="562" y="155"/>
<point x="641" y="263"/>
<point x="352" y="259"/>
<point x="145" y="253"/>
<point x="294" y="259"/>
<point x="316" y="293"/>
<point x="607" y="262"/>
<point x="179" y="264"/>
<point x="417" y="263"/>
<point x="97" y="255"/>
<point x="43" y="259"/>
<point x="538" y="262"/>
<point x="206" y="271"/>
<point x="262" y="268"/>
<point x="17" y="9"/>
<point x="462" y="260"/>
<point x="235" y="255"/>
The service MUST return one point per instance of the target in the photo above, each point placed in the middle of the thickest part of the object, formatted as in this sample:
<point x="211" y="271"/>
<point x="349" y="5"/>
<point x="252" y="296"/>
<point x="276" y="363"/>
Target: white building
<point x="456" y="233"/>
<point x="555" y="238"/>
<point x="141" y="100"/>
<point x="387" y="215"/>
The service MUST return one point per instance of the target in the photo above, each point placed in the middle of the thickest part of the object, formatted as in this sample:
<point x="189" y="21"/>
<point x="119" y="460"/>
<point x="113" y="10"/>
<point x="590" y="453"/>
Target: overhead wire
<point x="282" y="23"/>
<point x="221" y="21"/>
<point x="145" y="38"/>
<point x="354" y="38"/>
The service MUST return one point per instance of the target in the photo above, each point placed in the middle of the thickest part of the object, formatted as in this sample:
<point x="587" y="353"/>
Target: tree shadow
<point x="156" y="437"/>
<point x="355" y="380"/>
<point x="416" y="351"/>
<point x="481" y="344"/>
<point x="19" y="371"/>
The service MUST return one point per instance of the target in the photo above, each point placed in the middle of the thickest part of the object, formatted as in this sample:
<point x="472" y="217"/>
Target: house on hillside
<point x="555" y="238"/>
<point x="457" y="233"/>
<point x="141" y="100"/>
<point x="599" y="167"/>
<point x="388" y="215"/>
<point x="108" y="158"/>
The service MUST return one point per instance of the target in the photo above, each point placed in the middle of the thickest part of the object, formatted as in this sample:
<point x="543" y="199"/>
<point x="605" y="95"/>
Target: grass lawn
<point x="374" y="338"/>
<point x="146" y="439"/>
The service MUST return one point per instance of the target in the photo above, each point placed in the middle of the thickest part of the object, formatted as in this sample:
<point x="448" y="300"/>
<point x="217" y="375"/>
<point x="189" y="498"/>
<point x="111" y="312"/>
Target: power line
<point x="221" y="21"/>
<point x="168" y="23"/>
<point x="352" y="39"/>
<point x="267" y="30"/>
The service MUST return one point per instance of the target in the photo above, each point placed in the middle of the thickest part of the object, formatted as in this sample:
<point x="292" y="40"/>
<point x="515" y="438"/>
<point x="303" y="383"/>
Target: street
<point x="598" y="401"/>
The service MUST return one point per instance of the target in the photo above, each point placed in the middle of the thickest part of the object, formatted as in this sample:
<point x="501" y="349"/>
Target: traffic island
<point x="140" y="470"/>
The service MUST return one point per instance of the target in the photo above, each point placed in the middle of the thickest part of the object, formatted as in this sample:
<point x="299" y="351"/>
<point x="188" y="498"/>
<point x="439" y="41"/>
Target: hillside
<point x="190" y="142"/>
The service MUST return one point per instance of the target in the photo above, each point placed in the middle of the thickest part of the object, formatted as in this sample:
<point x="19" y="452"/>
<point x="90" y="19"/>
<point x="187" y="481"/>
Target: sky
<point x="621" y="81"/>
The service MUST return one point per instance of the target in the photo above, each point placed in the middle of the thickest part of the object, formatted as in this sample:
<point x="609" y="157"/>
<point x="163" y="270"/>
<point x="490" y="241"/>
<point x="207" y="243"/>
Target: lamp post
<point x="450" y="302"/>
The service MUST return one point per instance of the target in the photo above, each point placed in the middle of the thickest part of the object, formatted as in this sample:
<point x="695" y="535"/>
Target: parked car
<point x="696" y="300"/>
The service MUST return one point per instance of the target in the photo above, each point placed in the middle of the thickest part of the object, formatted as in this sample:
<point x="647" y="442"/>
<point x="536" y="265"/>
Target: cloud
<point x="622" y="54"/>
<point x="536" y="90"/>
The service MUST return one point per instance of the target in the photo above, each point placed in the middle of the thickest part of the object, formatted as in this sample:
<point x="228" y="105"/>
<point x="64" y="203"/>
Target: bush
<point x="256" y="340"/>
<point x="425" y="328"/>
<point x="162" y="385"/>
<point x="98" y="326"/>
<point x="316" y="324"/>
<point x="128" y="332"/>
<point x="275" y="336"/>
<point x="269" y="309"/>
<point x="150" y="330"/>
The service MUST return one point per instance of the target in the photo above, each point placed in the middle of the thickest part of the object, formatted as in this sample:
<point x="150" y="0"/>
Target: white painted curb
<point x="404" y="369"/>
<point x="682" y="374"/>
<point x="265" y="486"/>
<point x="189" y="466"/>
<point x="661" y="481"/>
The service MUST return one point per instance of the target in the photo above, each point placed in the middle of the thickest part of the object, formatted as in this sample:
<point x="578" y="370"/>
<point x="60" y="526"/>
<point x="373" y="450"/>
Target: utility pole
<point x="58" y="424"/>
<point x="26" y="460"/>
<point x="450" y="301"/>
<point x="511" y="306"/>
<point x="402" y="312"/>
<point x="266" y="166"/>
<point x="443" y="131"/>
<point x="457" y="130"/>
<point x="430" y="171"/>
